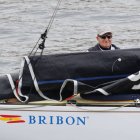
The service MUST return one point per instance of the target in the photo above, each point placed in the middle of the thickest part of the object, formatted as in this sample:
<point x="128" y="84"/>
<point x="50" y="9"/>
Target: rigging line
<point x="34" y="47"/>
<point x="44" y="35"/>
<point x="53" y="16"/>
<point x="46" y="31"/>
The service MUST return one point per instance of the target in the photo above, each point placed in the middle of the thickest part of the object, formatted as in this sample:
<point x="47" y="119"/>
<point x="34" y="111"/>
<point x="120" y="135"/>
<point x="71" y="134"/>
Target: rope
<point x="44" y="35"/>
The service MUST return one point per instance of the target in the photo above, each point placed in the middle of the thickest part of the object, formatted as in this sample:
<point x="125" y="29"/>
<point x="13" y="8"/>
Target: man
<point x="104" y="38"/>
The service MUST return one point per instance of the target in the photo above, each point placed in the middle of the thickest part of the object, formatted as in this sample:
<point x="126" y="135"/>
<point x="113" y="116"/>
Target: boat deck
<point x="77" y="100"/>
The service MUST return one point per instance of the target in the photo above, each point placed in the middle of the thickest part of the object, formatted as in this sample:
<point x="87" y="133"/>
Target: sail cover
<point x="95" y="75"/>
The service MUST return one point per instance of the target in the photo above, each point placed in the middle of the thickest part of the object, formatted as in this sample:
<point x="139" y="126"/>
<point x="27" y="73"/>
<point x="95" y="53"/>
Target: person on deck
<point x="104" y="38"/>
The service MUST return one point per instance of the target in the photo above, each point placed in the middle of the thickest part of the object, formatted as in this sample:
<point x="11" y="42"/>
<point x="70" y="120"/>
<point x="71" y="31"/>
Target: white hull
<point x="69" y="123"/>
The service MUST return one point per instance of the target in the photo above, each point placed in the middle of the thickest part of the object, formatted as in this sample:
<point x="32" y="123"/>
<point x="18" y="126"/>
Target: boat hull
<point x="69" y="122"/>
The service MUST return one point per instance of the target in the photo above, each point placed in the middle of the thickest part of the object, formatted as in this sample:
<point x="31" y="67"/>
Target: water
<point x="73" y="30"/>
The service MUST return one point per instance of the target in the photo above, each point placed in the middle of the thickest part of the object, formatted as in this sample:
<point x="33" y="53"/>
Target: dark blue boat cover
<point x="104" y="75"/>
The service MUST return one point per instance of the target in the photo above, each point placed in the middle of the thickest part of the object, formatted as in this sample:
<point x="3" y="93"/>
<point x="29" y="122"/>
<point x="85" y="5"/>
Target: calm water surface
<point x="74" y="28"/>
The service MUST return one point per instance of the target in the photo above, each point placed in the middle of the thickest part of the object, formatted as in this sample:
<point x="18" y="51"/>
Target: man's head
<point x="104" y="36"/>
